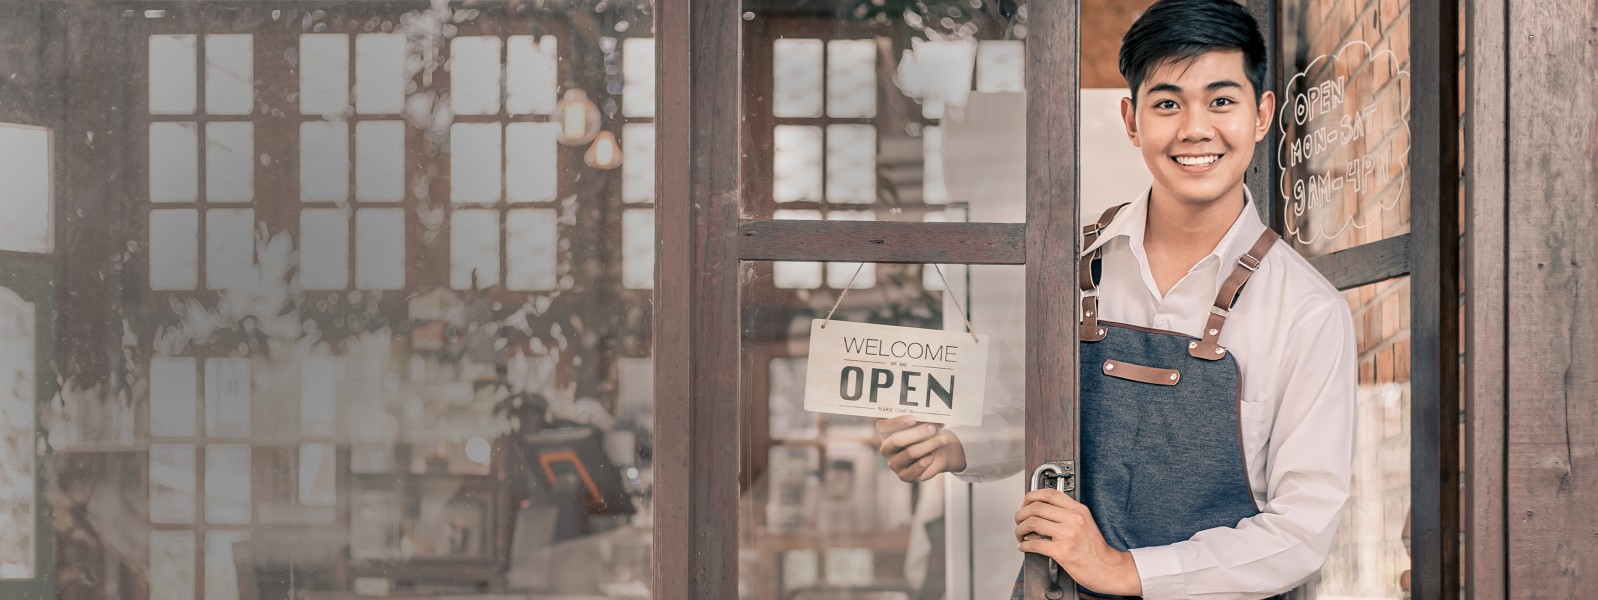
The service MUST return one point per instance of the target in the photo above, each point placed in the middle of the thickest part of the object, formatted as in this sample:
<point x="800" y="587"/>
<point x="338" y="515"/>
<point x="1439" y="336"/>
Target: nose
<point x="1196" y="126"/>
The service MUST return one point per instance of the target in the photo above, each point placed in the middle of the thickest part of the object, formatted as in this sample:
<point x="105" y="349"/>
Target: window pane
<point x="999" y="66"/>
<point x="797" y="73"/>
<point x="942" y="73"/>
<point x="172" y="564"/>
<point x="851" y="78"/>
<point x="797" y="169"/>
<point x="474" y="249"/>
<point x="221" y="574"/>
<point x="933" y="190"/>
<point x="638" y="162"/>
<point x="25" y="165"/>
<point x="172" y="480"/>
<point x="324" y="161"/>
<point x="793" y="275"/>
<point x="530" y="240"/>
<point x="174" y="396"/>
<point x="229" y="162"/>
<point x="380" y="73"/>
<point x="638" y="249"/>
<point x="474" y="162"/>
<point x="18" y="488"/>
<point x="638" y="71"/>
<point x="474" y="75"/>
<point x="324" y="64"/>
<point x="318" y="391"/>
<point x="229" y="74"/>
<point x="530" y="149"/>
<point x="380" y="161"/>
<point x="174" y="162"/>
<point x="173" y="64"/>
<point x="229" y="248"/>
<point x="851" y="163"/>
<point x="380" y="248"/>
<point x="227" y="397"/>
<point x="324" y="249"/>
<point x="316" y="475"/>
<point x="174" y="249"/>
<point x="227" y="483"/>
<point x="530" y="75"/>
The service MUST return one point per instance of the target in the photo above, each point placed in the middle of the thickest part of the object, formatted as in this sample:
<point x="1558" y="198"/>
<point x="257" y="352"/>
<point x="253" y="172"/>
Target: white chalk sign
<point x="885" y="371"/>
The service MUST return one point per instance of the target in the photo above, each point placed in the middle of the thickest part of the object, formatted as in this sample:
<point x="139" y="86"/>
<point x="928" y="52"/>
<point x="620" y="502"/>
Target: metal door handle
<point x="1060" y="475"/>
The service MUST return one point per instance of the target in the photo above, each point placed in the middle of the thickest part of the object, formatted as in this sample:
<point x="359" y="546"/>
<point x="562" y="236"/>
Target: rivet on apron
<point x="1220" y="351"/>
<point x="1109" y="366"/>
<point x="1214" y="331"/>
<point x="1101" y="332"/>
<point x="1089" y="313"/>
<point x="1192" y="345"/>
<point x="1173" y="377"/>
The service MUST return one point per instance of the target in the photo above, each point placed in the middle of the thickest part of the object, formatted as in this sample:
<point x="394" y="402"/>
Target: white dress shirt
<point x="1293" y="338"/>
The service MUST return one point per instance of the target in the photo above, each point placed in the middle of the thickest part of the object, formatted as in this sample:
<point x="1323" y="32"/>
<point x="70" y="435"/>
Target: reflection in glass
<point x="25" y="217"/>
<point x="797" y="74"/>
<point x="530" y="74"/>
<point x="229" y="74"/>
<point x="174" y="162"/>
<point x="173" y="62"/>
<point x="324" y="65"/>
<point x="324" y="161"/>
<point x="380" y="73"/>
<point x="380" y="161"/>
<point x="797" y="172"/>
<point x="475" y="75"/>
<point x="229" y="162"/>
<point x="18" y="488"/>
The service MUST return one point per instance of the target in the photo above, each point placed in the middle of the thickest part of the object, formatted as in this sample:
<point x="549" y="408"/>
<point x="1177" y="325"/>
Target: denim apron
<point x="1161" y="445"/>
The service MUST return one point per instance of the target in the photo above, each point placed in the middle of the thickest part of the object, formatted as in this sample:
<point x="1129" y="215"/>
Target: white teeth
<point x="1198" y="161"/>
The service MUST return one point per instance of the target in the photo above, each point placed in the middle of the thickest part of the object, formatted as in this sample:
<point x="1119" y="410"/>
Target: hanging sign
<point x="885" y="371"/>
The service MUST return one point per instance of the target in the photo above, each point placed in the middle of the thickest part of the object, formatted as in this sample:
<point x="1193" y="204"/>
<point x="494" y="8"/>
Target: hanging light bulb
<point x="604" y="153"/>
<point x="578" y="118"/>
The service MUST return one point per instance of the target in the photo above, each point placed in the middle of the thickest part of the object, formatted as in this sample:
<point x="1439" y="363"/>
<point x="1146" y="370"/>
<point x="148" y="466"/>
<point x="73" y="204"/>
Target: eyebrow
<point x="1176" y="89"/>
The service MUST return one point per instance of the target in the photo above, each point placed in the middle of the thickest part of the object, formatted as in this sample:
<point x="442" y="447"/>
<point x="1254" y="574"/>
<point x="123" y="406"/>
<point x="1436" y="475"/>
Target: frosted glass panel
<point x="531" y="241"/>
<point x="851" y="163"/>
<point x="638" y="162"/>
<point x="25" y="166"/>
<point x="474" y="162"/>
<point x="229" y="248"/>
<point x="474" y="249"/>
<point x="172" y="480"/>
<point x="797" y="78"/>
<point x="379" y="73"/>
<point x="933" y="189"/>
<point x="227" y="397"/>
<point x="316" y="475"/>
<point x="380" y="248"/>
<point x="796" y="275"/>
<point x="18" y="486"/>
<point x="942" y="72"/>
<point x="324" y="161"/>
<point x="380" y="161"/>
<point x="174" y="396"/>
<point x="229" y="161"/>
<point x="174" y="249"/>
<point x="227" y="483"/>
<point x="638" y="249"/>
<point x="229" y="74"/>
<point x="474" y="70"/>
<point x="1000" y="66"/>
<point x="221" y="575"/>
<point x="172" y="564"/>
<point x="174" y="162"/>
<point x="796" y="172"/>
<point x="530" y="175"/>
<point x="318" y="390"/>
<point x="324" y="73"/>
<point x="530" y="75"/>
<point x="173" y="67"/>
<point x="851" y="78"/>
<point x="638" y="74"/>
<point x="839" y="273"/>
<point x="324" y="249"/>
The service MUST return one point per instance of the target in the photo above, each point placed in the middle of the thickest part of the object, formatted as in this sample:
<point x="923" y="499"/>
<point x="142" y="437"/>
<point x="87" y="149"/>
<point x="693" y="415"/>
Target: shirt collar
<point x="1132" y="221"/>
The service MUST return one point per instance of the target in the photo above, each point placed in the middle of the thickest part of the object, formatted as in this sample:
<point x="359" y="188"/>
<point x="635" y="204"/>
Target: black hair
<point x="1181" y="30"/>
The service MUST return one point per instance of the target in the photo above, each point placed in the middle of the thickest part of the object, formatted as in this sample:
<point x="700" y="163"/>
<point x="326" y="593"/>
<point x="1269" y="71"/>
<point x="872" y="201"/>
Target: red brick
<point x="1384" y="365"/>
<point x="1367" y="372"/>
<point x="1401" y="360"/>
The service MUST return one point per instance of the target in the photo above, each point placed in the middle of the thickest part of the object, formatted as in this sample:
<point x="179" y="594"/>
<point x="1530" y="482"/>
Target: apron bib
<point x="1161" y="439"/>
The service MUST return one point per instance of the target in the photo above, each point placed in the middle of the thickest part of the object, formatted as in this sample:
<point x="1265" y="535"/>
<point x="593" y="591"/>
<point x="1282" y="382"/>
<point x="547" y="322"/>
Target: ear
<point x="1267" y="113"/>
<point x="1129" y="118"/>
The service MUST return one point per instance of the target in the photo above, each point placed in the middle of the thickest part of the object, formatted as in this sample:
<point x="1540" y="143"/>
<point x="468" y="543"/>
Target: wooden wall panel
<point x="1553" y="299"/>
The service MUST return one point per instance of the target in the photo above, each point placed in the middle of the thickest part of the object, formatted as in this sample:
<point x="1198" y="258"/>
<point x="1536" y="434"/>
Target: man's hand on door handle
<point x="919" y="451"/>
<point x="1054" y="524"/>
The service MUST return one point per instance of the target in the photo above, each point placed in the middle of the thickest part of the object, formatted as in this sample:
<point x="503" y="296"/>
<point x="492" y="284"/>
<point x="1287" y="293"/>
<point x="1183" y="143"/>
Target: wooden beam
<point x="1365" y="264"/>
<point x="1052" y="245"/>
<point x="1262" y="169"/>
<point x="1434" y="298"/>
<point x="696" y="299"/>
<point x="1552" y="311"/>
<point x="883" y="242"/>
<point x="1486" y="552"/>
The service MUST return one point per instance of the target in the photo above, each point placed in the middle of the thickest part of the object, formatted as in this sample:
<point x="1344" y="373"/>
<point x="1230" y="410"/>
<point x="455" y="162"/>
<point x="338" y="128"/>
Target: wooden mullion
<point x="1052" y="114"/>
<point x="1365" y="264"/>
<point x="883" y="242"/>
<point x="1434" y="301"/>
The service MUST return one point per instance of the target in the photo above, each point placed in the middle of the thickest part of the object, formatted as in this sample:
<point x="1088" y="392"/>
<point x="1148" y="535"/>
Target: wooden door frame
<point x="701" y="241"/>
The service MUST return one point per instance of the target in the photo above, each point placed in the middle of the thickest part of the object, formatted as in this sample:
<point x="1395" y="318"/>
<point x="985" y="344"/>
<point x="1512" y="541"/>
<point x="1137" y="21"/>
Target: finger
<point x="905" y="438"/>
<point x="939" y="464"/>
<point x="1034" y="546"/>
<point x="1043" y="527"/>
<point x="912" y="472"/>
<point x="915" y="452"/>
<point x="1047" y="511"/>
<point x="886" y="427"/>
<point x="1055" y="497"/>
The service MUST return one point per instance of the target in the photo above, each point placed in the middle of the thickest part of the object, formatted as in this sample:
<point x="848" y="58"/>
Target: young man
<point x="1217" y="418"/>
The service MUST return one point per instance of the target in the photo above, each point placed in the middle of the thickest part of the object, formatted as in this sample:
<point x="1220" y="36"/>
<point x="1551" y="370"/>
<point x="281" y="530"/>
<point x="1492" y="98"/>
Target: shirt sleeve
<point x="994" y="450"/>
<point x="1308" y="458"/>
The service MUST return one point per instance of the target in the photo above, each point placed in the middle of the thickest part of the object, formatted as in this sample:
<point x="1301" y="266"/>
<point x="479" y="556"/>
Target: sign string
<point x="946" y="287"/>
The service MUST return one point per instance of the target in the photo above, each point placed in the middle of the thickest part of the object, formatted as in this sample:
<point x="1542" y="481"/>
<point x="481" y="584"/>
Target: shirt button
<point x="1161" y="322"/>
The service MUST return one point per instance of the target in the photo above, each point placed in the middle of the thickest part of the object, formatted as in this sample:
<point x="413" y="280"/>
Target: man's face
<point x="1196" y="123"/>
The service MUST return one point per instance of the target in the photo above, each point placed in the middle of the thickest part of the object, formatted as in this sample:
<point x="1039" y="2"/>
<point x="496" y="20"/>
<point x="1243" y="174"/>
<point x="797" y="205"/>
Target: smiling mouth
<point x="1196" y="161"/>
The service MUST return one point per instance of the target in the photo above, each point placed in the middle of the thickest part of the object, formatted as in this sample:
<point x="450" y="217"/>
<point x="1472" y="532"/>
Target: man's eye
<point x="1224" y="102"/>
<point x="1165" y="105"/>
